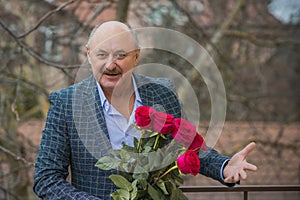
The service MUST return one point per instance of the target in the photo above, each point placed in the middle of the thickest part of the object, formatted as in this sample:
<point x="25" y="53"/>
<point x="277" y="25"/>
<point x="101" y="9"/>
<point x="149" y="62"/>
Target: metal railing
<point x="245" y="189"/>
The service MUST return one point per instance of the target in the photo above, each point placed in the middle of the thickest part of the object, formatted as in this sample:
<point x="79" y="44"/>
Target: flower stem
<point x="164" y="174"/>
<point x="140" y="141"/>
<point x="156" y="141"/>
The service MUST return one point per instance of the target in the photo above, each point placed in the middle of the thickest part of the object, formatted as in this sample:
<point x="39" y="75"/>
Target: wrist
<point x="224" y="169"/>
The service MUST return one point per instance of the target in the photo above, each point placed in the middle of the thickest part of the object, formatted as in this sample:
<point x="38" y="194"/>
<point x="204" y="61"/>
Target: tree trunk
<point x="122" y="10"/>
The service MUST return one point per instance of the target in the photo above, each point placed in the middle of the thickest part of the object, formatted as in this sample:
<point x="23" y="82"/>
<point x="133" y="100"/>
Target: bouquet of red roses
<point x="152" y="168"/>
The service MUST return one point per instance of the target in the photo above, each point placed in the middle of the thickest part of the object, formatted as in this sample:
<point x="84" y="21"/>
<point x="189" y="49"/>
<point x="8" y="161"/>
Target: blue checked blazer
<point x="76" y="136"/>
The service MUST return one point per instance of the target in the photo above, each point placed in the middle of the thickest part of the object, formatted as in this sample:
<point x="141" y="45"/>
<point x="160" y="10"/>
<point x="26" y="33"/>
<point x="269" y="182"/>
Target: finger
<point x="236" y="177"/>
<point x="250" y="167"/>
<point x="229" y="179"/>
<point x="243" y="174"/>
<point x="248" y="149"/>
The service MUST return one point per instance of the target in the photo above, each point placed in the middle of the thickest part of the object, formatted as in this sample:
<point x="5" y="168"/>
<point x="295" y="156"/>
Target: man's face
<point x="112" y="56"/>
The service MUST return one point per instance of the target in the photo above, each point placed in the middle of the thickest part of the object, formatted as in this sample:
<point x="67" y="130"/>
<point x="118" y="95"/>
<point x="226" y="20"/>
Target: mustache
<point x="115" y="70"/>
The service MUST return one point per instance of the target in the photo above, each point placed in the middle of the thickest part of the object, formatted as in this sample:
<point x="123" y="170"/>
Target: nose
<point x="110" y="63"/>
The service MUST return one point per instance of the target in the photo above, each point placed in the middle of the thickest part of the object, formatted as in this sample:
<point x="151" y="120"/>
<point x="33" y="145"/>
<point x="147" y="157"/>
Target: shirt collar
<point x="104" y="102"/>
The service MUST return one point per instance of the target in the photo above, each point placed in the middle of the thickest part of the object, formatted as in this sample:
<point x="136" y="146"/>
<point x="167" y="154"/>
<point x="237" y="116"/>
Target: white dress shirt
<point x="119" y="129"/>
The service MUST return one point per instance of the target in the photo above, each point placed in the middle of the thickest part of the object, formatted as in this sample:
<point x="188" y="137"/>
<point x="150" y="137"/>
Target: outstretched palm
<point x="238" y="166"/>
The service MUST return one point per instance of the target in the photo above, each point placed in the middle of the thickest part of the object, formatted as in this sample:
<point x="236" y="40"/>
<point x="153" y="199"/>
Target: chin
<point x="108" y="86"/>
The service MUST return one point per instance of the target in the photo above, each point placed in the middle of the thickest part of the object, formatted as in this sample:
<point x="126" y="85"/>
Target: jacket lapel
<point x="89" y="119"/>
<point x="145" y="90"/>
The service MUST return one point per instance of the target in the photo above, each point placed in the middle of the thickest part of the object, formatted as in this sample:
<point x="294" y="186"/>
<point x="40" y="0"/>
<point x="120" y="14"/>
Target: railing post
<point x="245" y="195"/>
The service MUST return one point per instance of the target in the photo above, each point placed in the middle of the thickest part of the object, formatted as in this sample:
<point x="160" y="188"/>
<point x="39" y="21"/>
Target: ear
<point x="137" y="56"/>
<point x="88" y="53"/>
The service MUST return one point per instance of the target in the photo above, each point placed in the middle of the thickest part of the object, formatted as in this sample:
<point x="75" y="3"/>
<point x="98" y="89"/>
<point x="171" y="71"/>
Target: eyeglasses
<point x="118" y="55"/>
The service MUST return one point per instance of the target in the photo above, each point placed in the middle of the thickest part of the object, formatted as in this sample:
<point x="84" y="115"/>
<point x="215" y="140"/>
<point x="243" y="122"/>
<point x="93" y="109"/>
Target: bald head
<point x="111" y="29"/>
<point x="112" y="55"/>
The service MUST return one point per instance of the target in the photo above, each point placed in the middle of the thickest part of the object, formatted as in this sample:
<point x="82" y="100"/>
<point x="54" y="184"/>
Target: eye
<point x="120" y="55"/>
<point x="102" y="55"/>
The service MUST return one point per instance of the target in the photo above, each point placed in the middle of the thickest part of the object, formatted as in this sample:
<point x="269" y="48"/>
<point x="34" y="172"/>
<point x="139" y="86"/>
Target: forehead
<point x="111" y="38"/>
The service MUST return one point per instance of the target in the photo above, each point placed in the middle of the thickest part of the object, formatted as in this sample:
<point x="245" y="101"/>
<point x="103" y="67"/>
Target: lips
<point x="111" y="74"/>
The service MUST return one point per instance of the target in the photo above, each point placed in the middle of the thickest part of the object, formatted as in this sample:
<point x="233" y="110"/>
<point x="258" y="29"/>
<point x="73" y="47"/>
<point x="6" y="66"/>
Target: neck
<point x="122" y="98"/>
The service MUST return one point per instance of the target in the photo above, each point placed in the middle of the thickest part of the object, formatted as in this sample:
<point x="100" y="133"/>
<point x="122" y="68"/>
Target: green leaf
<point x="168" y="159"/>
<point x="120" y="194"/>
<point x="140" y="184"/>
<point x="147" y="149"/>
<point x="156" y="160"/>
<point x="121" y="182"/>
<point x="125" y="155"/>
<point x="162" y="186"/>
<point x="153" y="192"/>
<point x="140" y="170"/>
<point x="147" y="142"/>
<point x="128" y="148"/>
<point x="135" y="142"/>
<point x="176" y="176"/>
<point x="177" y="194"/>
<point x="124" y="167"/>
<point x="143" y="159"/>
<point x="107" y="163"/>
<point x="134" y="194"/>
<point x="115" y="153"/>
<point x="115" y="195"/>
<point x="126" y="175"/>
<point x="140" y="175"/>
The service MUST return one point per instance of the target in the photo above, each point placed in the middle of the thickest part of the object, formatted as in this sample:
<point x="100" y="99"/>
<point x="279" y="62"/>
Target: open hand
<point x="238" y="166"/>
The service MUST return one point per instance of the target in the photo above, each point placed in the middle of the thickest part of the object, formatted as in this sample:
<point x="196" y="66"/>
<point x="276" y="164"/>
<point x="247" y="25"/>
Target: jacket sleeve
<point x="53" y="159"/>
<point x="211" y="163"/>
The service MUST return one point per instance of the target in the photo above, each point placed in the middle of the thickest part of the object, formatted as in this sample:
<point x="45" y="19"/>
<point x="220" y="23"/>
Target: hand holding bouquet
<point x="166" y="148"/>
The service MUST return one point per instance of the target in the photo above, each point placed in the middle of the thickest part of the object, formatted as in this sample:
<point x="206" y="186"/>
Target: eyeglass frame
<point x="117" y="55"/>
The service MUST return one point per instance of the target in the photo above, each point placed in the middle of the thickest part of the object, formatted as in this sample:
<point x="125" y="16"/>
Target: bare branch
<point x="261" y="42"/>
<point x="219" y="33"/>
<point x="190" y="19"/>
<point x="77" y="5"/>
<point x="33" y="53"/>
<point x="99" y="10"/>
<point x="14" y="104"/>
<point x="36" y="87"/>
<point x="16" y="157"/>
<point x="244" y="99"/>
<point x="215" y="39"/>
<point x="46" y="16"/>
<point x="7" y="192"/>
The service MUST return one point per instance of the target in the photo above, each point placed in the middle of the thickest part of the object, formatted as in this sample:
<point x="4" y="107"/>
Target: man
<point x="87" y="119"/>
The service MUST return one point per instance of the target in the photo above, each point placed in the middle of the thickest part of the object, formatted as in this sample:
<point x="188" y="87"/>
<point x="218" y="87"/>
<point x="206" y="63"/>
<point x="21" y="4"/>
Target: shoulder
<point x="68" y="93"/>
<point x="159" y="93"/>
<point x="149" y="79"/>
<point x="160" y="82"/>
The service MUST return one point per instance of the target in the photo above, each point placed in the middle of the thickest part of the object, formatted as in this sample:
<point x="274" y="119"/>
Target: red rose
<point x="162" y="122"/>
<point x="184" y="132"/>
<point x="198" y="143"/>
<point x="143" y="116"/>
<point x="189" y="163"/>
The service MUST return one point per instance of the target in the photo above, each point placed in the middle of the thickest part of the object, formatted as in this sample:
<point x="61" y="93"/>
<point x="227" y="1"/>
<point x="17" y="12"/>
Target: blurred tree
<point x="38" y="55"/>
<point x="122" y="10"/>
<point x="245" y="41"/>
